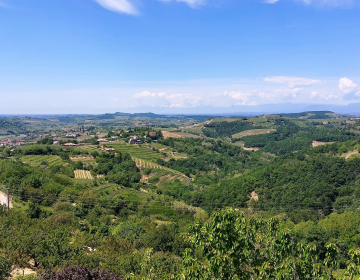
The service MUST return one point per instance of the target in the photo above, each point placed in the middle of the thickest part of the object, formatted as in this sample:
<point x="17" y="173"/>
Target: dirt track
<point x="349" y="154"/>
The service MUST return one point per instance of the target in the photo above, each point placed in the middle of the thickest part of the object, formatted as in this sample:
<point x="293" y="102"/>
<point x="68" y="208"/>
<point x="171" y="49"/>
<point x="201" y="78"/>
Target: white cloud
<point x="242" y="98"/>
<point x="162" y="99"/>
<point x="292" y="81"/>
<point x="120" y="6"/>
<point x="191" y="3"/>
<point x="347" y="86"/>
<point x="271" y="1"/>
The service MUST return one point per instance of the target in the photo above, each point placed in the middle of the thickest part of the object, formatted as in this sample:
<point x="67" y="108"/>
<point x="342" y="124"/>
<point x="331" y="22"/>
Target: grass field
<point x="83" y="174"/>
<point x="253" y="132"/>
<point x="35" y="160"/>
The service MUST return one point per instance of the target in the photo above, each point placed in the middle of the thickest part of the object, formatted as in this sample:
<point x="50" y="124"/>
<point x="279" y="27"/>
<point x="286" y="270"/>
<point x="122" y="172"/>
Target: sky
<point x="97" y="56"/>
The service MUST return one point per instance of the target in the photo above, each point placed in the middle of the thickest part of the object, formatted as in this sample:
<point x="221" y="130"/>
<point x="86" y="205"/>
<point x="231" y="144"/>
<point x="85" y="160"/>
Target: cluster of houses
<point x="11" y="142"/>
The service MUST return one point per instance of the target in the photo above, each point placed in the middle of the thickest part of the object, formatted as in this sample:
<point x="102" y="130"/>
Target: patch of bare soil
<point x="254" y="196"/>
<point x="251" y="149"/>
<point x="3" y="199"/>
<point x="145" y="178"/>
<point x="16" y="272"/>
<point x="317" y="143"/>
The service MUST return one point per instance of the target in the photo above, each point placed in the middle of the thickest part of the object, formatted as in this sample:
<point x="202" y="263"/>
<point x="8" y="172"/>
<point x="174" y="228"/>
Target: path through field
<point x="349" y="154"/>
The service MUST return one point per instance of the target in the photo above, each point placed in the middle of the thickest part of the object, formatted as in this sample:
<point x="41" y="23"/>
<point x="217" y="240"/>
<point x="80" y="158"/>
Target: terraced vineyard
<point x="148" y="164"/>
<point x="83" y="159"/>
<point x="83" y="174"/>
<point x="136" y="151"/>
<point x="89" y="147"/>
<point x="36" y="160"/>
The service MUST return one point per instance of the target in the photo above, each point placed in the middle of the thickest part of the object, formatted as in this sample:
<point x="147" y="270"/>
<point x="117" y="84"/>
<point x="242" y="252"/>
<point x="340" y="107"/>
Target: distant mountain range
<point x="351" y="109"/>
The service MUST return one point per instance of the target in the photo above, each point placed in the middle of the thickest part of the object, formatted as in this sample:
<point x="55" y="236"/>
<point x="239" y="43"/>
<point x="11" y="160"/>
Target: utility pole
<point x="8" y="198"/>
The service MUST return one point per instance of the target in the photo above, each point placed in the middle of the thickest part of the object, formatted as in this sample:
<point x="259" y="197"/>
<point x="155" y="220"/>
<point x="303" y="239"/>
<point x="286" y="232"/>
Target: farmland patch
<point x="253" y="132"/>
<point x="83" y="174"/>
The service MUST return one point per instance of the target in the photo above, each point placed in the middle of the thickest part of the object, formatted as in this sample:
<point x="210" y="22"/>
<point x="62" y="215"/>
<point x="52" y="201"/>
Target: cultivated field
<point x="136" y="151"/>
<point x="83" y="158"/>
<point x="253" y="132"/>
<point x="83" y="174"/>
<point x="35" y="160"/>
<point x="89" y="147"/>
<point x="140" y="163"/>
<point x="168" y="134"/>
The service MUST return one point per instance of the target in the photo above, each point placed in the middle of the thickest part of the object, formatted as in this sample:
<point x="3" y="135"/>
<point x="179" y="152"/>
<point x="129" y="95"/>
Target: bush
<point x="78" y="273"/>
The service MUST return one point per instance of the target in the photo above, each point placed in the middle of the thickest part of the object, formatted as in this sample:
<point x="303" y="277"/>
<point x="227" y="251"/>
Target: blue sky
<point x="95" y="56"/>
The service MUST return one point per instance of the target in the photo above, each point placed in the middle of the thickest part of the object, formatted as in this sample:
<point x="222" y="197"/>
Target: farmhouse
<point x="70" y="145"/>
<point x="103" y="141"/>
<point x="133" y="139"/>
<point x="152" y="134"/>
<point x="71" y="135"/>
<point x="108" y="149"/>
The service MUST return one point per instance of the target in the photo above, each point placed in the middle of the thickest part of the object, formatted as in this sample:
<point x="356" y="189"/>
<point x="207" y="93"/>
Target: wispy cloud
<point x="270" y="1"/>
<point x="292" y="81"/>
<point x="191" y="3"/>
<point x="119" y="6"/>
<point x="333" y="3"/>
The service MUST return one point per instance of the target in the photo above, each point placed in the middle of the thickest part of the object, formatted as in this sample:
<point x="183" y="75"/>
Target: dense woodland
<point x="188" y="208"/>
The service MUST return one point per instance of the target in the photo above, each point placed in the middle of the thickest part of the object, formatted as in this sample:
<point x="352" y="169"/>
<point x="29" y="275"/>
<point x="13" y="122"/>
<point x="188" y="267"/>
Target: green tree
<point x="232" y="246"/>
<point x="5" y="267"/>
